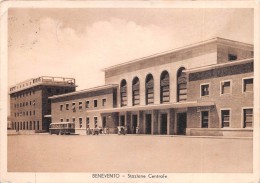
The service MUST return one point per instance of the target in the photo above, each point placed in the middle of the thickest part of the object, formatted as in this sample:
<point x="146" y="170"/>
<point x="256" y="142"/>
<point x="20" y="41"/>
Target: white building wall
<point x="172" y="68"/>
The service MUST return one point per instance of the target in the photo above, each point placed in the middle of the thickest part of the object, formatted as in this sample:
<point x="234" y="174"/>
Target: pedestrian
<point x="118" y="130"/>
<point x="137" y="130"/>
<point x="125" y="130"/>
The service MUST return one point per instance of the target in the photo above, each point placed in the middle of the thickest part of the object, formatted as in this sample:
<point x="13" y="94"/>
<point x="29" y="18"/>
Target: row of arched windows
<point x="149" y="89"/>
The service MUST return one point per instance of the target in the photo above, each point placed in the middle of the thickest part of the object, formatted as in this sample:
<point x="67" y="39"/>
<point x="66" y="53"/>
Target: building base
<point x="231" y="132"/>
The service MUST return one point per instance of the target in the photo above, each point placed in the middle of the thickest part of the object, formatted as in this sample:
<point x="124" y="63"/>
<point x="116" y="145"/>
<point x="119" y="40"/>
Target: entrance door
<point x="122" y="121"/>
<point x="181" y="123"/>
<point x="163" y="124"/>
<point x="148" y="125"/>
<point x="134" y="123"/>
<point x="104" y="122"/>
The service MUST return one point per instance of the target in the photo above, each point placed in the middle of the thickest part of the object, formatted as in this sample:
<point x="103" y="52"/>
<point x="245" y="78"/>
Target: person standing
<point x="118" y="130"/>
<point x="125" y="130"/>
<point x="137" y="130"/>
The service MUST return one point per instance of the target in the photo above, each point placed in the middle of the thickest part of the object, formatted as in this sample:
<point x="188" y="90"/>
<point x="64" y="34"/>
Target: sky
<point x="79" y="43"/>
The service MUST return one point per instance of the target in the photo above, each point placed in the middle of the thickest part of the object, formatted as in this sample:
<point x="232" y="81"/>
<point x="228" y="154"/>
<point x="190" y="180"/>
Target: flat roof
<point x="178" y="49"/>
<point x="42" y="80"/>
<point x="97" y="88"/>
<point x="156" y="106"/>
<point x="215" y="66"/>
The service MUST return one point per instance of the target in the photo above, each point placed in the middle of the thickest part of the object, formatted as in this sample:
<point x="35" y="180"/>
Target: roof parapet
<point x="42" y="80"/>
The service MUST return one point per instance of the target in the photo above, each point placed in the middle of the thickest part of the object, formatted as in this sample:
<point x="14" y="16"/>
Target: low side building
<point x="30" y="108"/>
<point x="84" y="108"/>
<point x="230" y="87"/>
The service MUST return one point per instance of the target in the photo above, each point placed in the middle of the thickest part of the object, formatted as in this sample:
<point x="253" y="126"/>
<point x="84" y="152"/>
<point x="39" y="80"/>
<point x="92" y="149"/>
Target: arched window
<point x="123" y="93"/>
<point x="136" y="91"/>
<point x="149" y="89"/>
<point x="164" y="87"/>
<point x="181" y="85"/>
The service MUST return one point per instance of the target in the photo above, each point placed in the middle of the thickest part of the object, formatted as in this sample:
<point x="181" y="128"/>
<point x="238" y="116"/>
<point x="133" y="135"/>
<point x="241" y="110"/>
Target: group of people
<point x="121" y="130"/>
<point x="97" y="130"/>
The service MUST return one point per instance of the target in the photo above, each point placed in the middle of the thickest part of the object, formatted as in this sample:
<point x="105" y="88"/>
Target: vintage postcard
<point x="129" y="91"/>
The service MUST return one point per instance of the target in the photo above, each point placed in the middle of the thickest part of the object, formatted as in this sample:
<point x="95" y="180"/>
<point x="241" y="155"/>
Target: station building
<point x="200" y="89"/>
<point x="30" y="108"/>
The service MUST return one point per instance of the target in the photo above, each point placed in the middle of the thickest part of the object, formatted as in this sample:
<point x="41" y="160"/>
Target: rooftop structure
<point x="43" y="80"/>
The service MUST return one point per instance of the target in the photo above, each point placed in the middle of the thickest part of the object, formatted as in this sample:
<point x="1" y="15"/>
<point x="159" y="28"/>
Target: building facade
<point x="230" y="87"/>
<point x="30" y="107"/>
<point x="84" y="108"/>
<point x="201" y="89"/>
<point x="163" y="93"/>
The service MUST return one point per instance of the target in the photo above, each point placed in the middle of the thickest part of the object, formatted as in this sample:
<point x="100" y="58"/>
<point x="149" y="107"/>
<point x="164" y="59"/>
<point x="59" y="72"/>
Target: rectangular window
<point x="95" y="103"/>
<point x="232" y="57"/>
<point x="67" y="106"/>
<point x="204" y="90"/>
<point x="225" y="87"/>
<point x="248" y="85"/>
<point x="95" y="121"/>
<point x="248" y="118"/>
<point x="87" y="104"/>
<point x="204" y="119"/>
<point x="67" y="120"/>
<point x="61" y="107"/>
<point x="73" y="106"/>
<point x="80" y="105"/>
<point x="73" y="120"/>
<point x="61" y="120"/>
<point x="104" y="101"/>
<point x="87" y="122"/>
<point x="225" y="118"/>
<point x="80" y="122"/>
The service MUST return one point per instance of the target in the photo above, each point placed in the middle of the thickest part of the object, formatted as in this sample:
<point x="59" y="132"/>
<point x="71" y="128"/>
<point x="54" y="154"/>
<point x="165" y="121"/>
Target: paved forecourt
<point x="130" y="153"/>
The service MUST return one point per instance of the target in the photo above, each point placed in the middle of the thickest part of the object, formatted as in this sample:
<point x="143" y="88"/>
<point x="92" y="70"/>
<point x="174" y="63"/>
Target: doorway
<point x="164" y="124"/>
<point x="104" y="122"/>
<point x="122" y="120"/>
<point x="181" y="123"/>
<point x="134" y="124"/>
<point x="148" y="123"/>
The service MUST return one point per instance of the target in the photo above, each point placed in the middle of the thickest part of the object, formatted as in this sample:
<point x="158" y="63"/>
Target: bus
<point x="62" y="128"/>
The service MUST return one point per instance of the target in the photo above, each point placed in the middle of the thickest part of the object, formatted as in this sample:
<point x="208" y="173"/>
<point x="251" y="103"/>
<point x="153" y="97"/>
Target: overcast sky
<point x="80" y="42"/>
